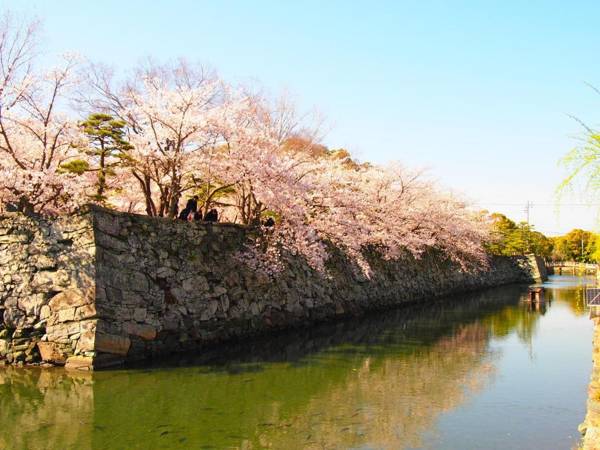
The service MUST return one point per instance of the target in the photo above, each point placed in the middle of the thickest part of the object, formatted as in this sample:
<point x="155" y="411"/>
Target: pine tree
<point x="107" y="149"/>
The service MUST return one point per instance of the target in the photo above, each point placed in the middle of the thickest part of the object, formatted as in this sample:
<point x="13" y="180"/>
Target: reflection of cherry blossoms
<point x="387" y="401"/>
<point x="190" y="133"/>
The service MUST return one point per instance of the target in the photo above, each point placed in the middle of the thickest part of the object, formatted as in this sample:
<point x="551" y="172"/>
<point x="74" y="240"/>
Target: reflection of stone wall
<point x="42" y="409"/>
<point x="162" y="286"/>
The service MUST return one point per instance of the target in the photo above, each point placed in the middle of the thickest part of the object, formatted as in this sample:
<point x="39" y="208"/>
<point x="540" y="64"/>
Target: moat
<point x="482" y="370"/>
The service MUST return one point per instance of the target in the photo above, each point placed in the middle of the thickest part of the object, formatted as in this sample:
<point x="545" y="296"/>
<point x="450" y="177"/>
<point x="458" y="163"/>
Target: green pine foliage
<point x="509" y="238"/>
<point x="107" y="148"/>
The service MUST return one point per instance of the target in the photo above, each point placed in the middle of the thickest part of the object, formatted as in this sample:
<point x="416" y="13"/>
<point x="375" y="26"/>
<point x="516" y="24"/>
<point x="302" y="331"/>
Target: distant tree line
<point x="509" y="238"/>
<point x="577" y="245"/>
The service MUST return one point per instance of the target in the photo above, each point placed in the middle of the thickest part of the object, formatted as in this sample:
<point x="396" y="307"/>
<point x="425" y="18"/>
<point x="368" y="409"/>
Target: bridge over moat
<point x="571" y="268"/>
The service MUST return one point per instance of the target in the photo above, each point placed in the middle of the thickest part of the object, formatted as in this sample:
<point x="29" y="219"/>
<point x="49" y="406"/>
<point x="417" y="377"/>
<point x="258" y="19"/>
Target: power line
<point x="538" y="204"/>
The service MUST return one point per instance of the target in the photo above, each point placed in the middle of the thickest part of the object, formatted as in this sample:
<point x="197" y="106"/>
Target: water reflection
<point x="379" y="382"/>
<point x="45" y="409"/>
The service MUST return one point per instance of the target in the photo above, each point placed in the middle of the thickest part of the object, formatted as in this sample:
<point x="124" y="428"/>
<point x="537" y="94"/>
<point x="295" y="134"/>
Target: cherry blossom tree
<point x="170" y="113"/>
<point x="17" y="51"/>
<point x="185" y="131"/>
<point x="322" y="197"/>
<point x="362" y="208"/>
<point x="36" y="134"/>
<point x="393" y="210"/>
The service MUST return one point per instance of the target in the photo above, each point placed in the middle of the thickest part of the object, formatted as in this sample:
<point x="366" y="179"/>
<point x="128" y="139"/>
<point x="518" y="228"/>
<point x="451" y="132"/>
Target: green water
<point x="482" y="371"/>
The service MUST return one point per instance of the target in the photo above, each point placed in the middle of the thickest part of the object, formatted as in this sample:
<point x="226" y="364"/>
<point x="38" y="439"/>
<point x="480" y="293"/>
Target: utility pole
<point x="528" y="206"/>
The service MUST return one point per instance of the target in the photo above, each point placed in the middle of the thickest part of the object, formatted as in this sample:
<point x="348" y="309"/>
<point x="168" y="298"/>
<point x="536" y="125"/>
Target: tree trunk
<point x="101" y="177"/>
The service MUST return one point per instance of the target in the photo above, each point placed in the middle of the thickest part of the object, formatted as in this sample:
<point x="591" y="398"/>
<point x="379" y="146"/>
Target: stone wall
<point x="104" y="287"/>
<point x="539" y="271"/>
<point x="590" y="428"/>
<point x="46" y="287"/>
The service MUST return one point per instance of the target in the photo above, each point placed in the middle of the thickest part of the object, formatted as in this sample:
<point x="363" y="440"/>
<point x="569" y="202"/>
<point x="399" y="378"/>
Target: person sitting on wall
<point x="190" y="207"/>
<point x="184" y="214"/>
<point x="212" y="216"/>
<point x="192" y="204"/>
<point x="197" y="216"/>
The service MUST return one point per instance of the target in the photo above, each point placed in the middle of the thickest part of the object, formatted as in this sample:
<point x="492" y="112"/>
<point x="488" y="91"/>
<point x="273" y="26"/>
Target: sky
<point x="479" y="93"/>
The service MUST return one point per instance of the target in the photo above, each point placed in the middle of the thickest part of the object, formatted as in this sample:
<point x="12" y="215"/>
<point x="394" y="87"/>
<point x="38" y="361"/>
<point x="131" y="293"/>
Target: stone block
<point x="137" y="282"/>
<point x="44" y="262"/>
<point x="66" y="299"/>
<point x="254" y="308"/>
<point x="85" y="312"/>
<point x="106" y="312"/>
<point x="224" y="303"/>
<point x="218" y="291"/>
<point x="196" y="284"/>
<point x="177" y="295"/>
<point x="139" y="314"/>
<point x="54" y="332"/>
<point x="111" y="243"/>
<point x="80" y="363"/>
<point x="31" y="304"/>
<point x="52" y="352"/>
<point x="164" y="272"/>
<point x="130" y="298"/>
<point x="108" y="224"/>
<point x="114" y="295"/>
<point x="87" y="325"/>
<point x="45" y="281"/>
<point x="62" y="331"/>
<point x="86" y="342"/>
<point x="210" y="310"/>
<point x="14" y="238"/>
<point x="146" y="332"/>
<point x="66" y="315"/>
<point x="44" y="312"/>
<point x="113" y="344"/>
<point x="171" y="322"/>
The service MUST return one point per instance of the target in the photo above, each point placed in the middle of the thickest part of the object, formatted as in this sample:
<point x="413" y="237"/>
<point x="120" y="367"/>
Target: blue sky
<point x="479" y="92"/>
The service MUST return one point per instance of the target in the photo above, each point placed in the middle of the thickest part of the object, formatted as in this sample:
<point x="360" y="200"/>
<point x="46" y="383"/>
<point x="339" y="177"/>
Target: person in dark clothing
<point x="190" y="207"/>
<point x="212" y="216"/>
<point x="197" y="216"/>
<point x="192" y="204"/>
<point x="184" y="214"/>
